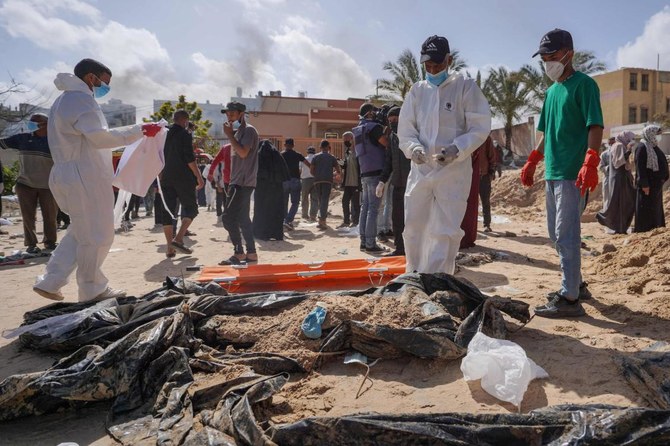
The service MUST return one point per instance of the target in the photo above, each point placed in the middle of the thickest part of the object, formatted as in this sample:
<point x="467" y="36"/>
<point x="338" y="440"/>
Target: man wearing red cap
<point x="572" y="123"/>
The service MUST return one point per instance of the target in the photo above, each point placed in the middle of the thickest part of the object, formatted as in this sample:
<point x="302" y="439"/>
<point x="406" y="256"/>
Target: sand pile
<point x="641" y="263"/>
<point x="281" y="333"/>
<point x="508" y="196"/>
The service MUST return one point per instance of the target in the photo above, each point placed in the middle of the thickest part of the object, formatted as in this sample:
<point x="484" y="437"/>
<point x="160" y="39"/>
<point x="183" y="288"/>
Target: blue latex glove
<point x="311" y="325"/>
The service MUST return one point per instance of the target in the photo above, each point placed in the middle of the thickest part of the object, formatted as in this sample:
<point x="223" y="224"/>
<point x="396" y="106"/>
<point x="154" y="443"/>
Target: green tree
<point x="538" y="81"/>
<point x="509" y="98"/>
<point x="406" y="71"/>
<point x="194" y="112"/>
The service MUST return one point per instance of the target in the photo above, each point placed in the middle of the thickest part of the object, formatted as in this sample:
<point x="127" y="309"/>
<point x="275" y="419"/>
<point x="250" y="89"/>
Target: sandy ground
<point x="577" y="354"/>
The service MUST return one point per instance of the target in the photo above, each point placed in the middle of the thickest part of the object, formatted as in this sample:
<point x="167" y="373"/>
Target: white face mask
<point x="554" y="69"/>
<point x="659" y="138"/>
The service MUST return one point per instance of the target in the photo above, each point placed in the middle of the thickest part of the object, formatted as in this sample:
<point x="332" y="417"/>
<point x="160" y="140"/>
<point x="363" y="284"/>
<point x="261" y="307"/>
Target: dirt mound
<point x="641" y="262"/>
<point x="509" y="196"/>
<point x="281" y="333"/>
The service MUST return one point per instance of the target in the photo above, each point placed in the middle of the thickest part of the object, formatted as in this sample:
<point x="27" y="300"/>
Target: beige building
<point x="633" y="96"/>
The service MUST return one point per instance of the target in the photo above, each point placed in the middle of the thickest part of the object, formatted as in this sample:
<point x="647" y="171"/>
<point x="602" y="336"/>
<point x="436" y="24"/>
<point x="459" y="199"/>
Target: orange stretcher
<point x="311" y="276"/>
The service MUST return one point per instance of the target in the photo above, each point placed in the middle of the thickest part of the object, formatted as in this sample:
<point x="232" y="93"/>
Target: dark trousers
<point x="398" y="218"/>
<point x="220" y="200"/>
<point x="158" y="209"/>
<point x="351" y="204"/>
<point x="320" y="198"/>
<point x="236" y="218"/>
<point x="133" y="206"/>
<point x="29" y="197"/>
<point x="485" y="197"/>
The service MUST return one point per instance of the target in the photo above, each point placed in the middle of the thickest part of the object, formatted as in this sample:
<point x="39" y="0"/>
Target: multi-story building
<point x="306" y="120"/>
<point x="633" y="96"/>
<point x="118" y="114"/>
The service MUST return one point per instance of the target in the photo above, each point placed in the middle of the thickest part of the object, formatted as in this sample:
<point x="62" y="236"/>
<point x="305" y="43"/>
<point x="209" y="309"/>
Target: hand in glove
<point x="447" y="155"/>
<point x="528" y="170"/>
<point x="151" y="129"/>
<point x="379" y="191"/>
<point x="587" y="178"/>
<point x="418" y="155"/>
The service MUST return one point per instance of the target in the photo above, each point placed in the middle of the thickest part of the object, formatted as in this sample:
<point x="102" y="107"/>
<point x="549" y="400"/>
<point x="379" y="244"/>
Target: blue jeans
<point x="367" y="226"/>
<point x="292" y="189"/>
<point x="563" y="215"/>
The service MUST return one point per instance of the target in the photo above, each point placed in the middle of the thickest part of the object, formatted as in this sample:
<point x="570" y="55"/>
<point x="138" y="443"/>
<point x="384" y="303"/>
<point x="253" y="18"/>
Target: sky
<point x="334" y="49"/>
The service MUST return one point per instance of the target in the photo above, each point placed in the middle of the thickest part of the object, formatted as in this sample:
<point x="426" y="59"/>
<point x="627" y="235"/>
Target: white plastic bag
<point x="503" y="367"/>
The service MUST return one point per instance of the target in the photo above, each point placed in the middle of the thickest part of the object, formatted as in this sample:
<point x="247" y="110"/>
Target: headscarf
<point x="619" y="149"/>
<point x="649" y="140"/>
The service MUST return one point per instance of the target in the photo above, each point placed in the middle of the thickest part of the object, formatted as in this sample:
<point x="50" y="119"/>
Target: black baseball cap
<point x="554" y="40"/>
<point x="234" y="106"/>
<point x="435" y="49"/>
<point x="289" y="141"/>
<point x="393" y="111"/>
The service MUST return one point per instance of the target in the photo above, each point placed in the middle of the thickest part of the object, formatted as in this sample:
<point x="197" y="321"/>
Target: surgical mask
<point x="659" y="138"/>
<point x="554" y="69"/>
<point x="102" y="90"/>
<point x="236" y="125"/>
<point x="437" y="79"/>
<point x="394" y="127"/>
<point x="32" y="126"/>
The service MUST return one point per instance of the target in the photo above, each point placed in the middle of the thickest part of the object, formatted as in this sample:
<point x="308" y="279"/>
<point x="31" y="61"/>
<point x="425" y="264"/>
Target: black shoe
<point x="343" y="225"/>
<point x="363" y="247"/>
<point x="50" y="246"/>
<point x="33" y="250"/>
<point x="560" y="307"/>
<point x="375" y="249"/>
<point x="394" y="254"/>
<point x="584" y="293"/>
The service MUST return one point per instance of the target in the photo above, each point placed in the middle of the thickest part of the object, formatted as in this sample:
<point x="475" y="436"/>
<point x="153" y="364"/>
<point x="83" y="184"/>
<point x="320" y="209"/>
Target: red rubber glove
<point x="587" y="178"/>
<point x="528" y="170"/>
<point x="151" y="129"/>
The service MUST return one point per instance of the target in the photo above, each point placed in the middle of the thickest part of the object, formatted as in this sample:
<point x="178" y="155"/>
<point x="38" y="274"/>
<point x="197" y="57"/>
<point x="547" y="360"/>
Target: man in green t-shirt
<point x="572" y="125"/>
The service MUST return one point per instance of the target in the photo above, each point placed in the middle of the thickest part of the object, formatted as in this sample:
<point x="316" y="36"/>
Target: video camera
<point x="381" y="115"/>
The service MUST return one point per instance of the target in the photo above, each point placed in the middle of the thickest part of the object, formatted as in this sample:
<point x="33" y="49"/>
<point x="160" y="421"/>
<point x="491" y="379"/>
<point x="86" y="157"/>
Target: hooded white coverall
<point x="436" y="197"/>
<point x="81" y="182"/>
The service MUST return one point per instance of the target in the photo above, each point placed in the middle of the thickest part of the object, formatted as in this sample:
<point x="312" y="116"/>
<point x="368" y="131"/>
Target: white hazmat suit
<point x="81" y="182"/>
<point x="436" y="196"/>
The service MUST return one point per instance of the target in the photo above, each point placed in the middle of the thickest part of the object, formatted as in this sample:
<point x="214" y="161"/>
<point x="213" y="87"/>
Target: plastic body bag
<point x="503" y="367"/>
<point x="141" y="163"/>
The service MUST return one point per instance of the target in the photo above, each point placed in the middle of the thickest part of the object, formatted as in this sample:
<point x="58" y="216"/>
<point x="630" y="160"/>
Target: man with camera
<point x="370" y="144"/>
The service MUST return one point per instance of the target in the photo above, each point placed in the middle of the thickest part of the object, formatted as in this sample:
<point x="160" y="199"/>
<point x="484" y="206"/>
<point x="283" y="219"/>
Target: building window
<point x="644" y="86"/>
<point x="644" y="114"/>
<point x="632" y="114"/>
<point x="633" y="81"/>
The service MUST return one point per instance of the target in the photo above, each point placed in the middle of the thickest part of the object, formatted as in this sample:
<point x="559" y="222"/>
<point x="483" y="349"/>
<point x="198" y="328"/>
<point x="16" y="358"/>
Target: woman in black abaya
<point x="652" y="172"/>
<point x="621" y="205"/>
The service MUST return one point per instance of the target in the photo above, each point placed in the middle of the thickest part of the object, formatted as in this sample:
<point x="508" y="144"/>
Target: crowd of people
<point x="415" y="172"/>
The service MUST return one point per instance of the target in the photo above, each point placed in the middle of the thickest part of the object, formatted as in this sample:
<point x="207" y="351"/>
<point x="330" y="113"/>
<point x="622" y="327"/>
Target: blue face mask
<point x="102" y="90"/>
<point x="236" y="125"/>
<point x="32" y="126"/>
<point x="437" y="79"/>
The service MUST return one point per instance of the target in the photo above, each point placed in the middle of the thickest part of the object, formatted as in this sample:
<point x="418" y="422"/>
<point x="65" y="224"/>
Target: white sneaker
<point x="58" y="296"/>
<point x="109" y="293"/>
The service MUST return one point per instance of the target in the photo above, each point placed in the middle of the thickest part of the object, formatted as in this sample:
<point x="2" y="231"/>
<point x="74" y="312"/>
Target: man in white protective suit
<point x="81" y="181"/>
<point x="442" y="121"/>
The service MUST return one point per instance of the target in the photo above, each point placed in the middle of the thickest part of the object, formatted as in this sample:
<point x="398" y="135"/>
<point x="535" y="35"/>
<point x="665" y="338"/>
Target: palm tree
<point x="407" y="71"/>
<point x="509" y="96"/>
<point x="539" y="82"/>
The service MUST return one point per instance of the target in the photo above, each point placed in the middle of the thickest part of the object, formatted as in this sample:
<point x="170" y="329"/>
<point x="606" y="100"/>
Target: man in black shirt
<point x="292" y="186"/>
<point x="179" y="181"/>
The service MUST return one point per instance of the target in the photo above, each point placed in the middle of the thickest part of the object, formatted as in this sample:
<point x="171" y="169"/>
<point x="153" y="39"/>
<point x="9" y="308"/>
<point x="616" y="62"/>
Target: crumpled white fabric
<point x="503" y="367"/>
<point x="141" y="163"/>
